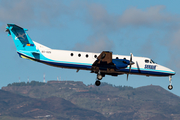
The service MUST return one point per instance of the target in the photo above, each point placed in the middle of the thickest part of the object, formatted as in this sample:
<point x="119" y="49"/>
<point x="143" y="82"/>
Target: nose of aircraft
<point x="172" y="72"/>
<point x="167" y="70"/>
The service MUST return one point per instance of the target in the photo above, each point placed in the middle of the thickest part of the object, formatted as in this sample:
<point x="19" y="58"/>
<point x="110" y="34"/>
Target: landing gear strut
<point x="170" y="87"/>
<point x="99" y="76"/>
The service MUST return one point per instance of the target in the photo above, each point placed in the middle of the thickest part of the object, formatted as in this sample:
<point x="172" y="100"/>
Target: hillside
<point x="19" y="106"/>
<point x="112" y="102"/>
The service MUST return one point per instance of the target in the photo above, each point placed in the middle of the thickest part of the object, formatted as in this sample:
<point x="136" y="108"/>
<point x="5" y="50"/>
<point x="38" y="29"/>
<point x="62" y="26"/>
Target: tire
<point x="170" y="87"/>
<point x="97" y="83"/>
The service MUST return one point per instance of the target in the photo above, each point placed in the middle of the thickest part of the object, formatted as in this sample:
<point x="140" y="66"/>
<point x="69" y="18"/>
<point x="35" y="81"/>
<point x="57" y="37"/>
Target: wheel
<point x="170" y="87"/>
<point x="97" y="83"/>
<point x="99" y="76"/>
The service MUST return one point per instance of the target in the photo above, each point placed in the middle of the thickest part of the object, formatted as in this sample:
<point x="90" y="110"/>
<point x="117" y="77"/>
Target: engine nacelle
<point x="121" y="63"/>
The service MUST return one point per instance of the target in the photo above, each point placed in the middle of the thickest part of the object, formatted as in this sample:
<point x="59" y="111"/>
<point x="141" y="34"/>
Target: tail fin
<point x="21" y="39"/>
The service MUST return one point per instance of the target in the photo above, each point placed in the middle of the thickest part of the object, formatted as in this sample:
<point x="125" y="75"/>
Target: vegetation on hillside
<point x="32" y="83"/>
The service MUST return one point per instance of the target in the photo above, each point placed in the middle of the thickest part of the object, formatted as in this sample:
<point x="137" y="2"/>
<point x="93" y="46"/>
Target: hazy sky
<point x="144" y="28"/>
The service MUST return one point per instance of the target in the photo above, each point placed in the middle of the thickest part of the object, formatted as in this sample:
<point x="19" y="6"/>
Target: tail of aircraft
<point x="21" y="39"/>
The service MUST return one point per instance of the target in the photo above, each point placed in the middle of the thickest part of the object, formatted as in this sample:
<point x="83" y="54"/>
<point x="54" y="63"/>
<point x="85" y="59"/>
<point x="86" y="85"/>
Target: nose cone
<point x="166" y="70"/>
<point x="173" y="72"/>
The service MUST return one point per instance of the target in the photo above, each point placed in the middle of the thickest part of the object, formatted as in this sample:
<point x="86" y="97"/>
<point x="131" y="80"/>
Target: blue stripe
<point x="72" y="65"/>
<point x="146" y="72"/>
<point x="152" y="70"/>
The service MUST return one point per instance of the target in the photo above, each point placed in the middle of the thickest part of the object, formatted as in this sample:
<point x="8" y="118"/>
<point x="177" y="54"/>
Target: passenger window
<point x="124" y="58"/>
<point x="117" y="58"/>
<point x="146" y="61"/>
<point x="95" y="56"/>
<point x="79" y="55"/>
<point x="87" y="55"/>
<point x="72" y="54"/>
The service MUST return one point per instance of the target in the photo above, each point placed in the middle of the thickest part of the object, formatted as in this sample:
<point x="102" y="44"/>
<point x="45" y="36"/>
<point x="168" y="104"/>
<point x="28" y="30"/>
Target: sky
<point x="145" y="28"/>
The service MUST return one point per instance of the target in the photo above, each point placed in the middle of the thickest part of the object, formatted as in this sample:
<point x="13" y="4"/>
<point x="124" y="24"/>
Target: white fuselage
<point x="84" y="60"/>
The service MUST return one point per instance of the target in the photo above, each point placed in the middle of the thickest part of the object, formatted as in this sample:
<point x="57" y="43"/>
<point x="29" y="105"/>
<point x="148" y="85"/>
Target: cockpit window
<point x="146" y="61"/>
<point x="153" y="61"/>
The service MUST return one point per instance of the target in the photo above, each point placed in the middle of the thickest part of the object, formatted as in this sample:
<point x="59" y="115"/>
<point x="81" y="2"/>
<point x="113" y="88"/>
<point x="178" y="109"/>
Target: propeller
<point x="130" y="63"/>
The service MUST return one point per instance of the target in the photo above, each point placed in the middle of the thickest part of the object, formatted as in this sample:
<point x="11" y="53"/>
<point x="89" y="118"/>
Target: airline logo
<point x="20" y="36"/>
<point x="150" y="67"/>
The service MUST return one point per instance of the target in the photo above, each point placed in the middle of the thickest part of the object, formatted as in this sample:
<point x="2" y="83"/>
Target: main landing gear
<point x="99" y="77"/>
<point x="97" y="83"/>
<point x="170" y="87"/>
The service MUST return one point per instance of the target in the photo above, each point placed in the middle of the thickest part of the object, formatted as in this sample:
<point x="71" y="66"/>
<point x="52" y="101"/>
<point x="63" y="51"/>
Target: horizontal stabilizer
<point x="22" y="51"/>
<point x="15" y="27"/>
<point x="33" y="54"/>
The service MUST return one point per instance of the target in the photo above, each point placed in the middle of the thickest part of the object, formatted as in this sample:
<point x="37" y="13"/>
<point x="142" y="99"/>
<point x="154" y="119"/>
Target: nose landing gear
<point x="170" y="87"/>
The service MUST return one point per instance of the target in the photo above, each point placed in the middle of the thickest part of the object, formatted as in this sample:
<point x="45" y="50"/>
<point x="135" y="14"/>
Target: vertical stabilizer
<point x="21" y="39"/>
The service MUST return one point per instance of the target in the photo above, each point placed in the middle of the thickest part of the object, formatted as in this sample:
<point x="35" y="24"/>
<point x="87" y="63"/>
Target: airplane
<point x="104" y="63"/>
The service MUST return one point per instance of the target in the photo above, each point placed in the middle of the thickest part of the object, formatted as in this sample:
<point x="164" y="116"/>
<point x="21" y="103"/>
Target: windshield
<point x="152" y="61"/>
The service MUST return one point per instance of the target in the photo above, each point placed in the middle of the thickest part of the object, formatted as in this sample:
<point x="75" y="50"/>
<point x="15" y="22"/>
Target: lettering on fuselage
<point x="150" y="67"/>
<point x="46" y="51"/>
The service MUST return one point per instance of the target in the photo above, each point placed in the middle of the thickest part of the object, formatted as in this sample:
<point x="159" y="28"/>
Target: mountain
<point x="18" y="106"/>
<point x="103" y="102"/>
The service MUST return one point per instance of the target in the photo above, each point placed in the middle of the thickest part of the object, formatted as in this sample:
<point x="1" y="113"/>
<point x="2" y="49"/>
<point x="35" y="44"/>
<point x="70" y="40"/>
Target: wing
<point x="103" y="62"/>
<point x="107" y="65"/>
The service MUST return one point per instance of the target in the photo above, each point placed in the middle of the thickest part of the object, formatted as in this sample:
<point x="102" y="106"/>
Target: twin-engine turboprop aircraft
<point x="99" y="63"/>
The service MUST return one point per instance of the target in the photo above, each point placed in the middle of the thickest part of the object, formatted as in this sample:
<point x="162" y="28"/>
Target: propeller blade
<point x="127" y="76"/>
<point x="131" y="63"/>
<point x="130" y="69"/>
<point x="131" y="58"/>
<point x="129" y="72"/>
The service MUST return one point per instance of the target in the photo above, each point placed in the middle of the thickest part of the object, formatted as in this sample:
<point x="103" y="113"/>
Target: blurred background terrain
<point x="73" y="100"/>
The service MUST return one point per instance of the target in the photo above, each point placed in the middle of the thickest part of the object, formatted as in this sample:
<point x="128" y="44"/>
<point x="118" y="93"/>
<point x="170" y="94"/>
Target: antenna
<point x="28" y="79"/>
<point x="44" y="80"/>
